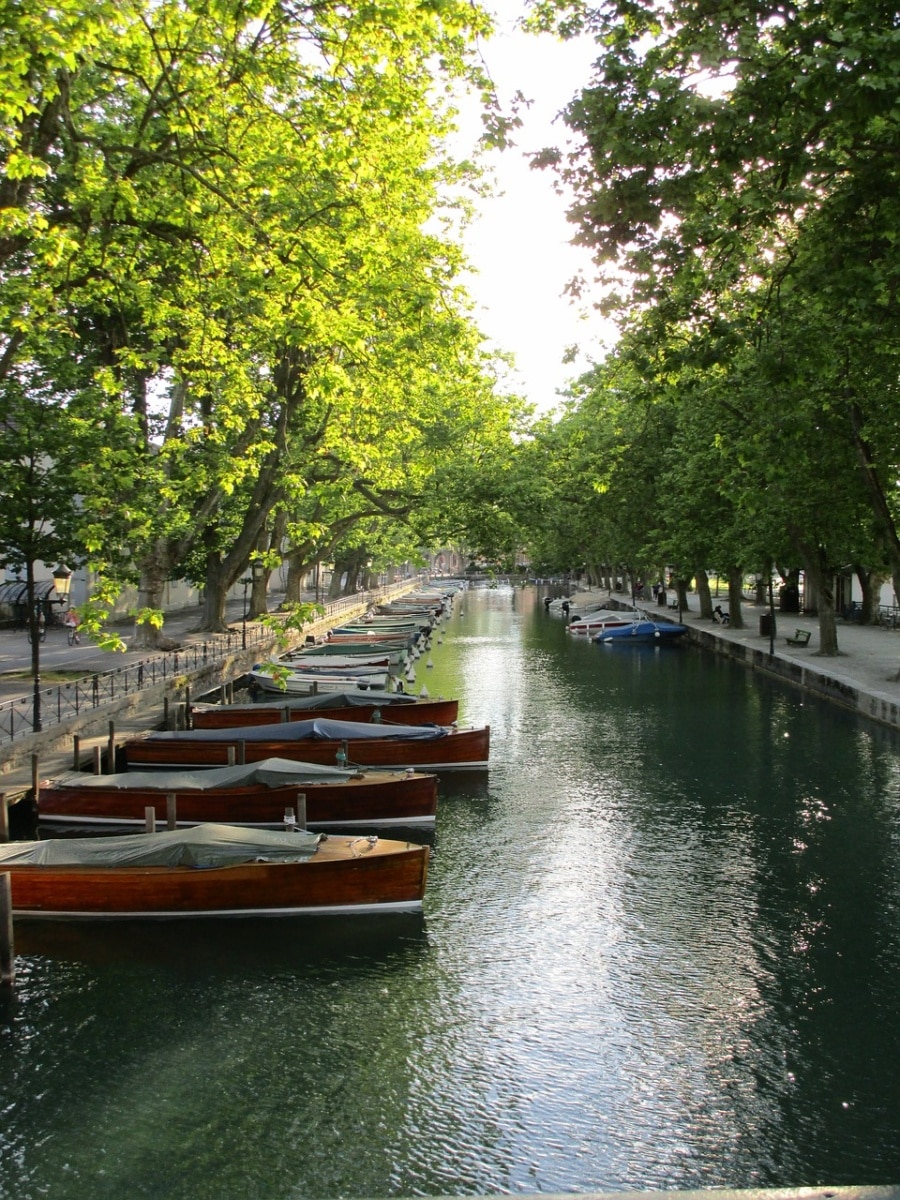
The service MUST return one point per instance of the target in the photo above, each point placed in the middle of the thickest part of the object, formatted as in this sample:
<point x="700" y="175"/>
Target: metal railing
<point x="66" y="701"/>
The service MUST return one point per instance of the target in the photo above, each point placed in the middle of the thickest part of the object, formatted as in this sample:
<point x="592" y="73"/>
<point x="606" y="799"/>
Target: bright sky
<point x="520" y="244"/>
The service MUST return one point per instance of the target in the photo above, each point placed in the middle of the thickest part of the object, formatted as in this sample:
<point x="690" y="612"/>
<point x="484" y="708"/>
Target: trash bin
<point x="767" y="625"/>
<point x="789" y="598"/>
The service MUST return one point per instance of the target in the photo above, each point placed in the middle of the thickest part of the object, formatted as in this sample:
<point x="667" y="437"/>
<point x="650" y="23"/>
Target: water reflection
<point x="660" y="948"/>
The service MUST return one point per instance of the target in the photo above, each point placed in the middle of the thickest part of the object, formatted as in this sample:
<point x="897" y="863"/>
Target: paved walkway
<point x="82" y="660"/>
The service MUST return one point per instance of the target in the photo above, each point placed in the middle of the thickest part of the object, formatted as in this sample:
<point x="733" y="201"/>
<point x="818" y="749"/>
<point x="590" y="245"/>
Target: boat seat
<point x="800" y="638"/>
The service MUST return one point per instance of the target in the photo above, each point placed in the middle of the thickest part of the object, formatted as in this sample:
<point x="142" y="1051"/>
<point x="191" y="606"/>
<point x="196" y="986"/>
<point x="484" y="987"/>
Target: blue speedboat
<point x="641" y="633"/>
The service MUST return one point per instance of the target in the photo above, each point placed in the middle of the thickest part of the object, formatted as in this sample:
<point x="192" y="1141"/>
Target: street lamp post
<point x="245" y="583"/>
<point x="257" y="573"/>
<point x="62" y="580"/>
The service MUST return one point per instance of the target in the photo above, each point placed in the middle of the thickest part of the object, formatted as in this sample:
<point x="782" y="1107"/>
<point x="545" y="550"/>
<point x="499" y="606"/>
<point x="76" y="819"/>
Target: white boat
<point x="603" y="618"/>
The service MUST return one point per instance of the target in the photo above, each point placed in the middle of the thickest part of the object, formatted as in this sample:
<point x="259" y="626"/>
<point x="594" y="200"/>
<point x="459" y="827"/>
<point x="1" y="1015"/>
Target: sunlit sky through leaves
<point x="520" y="243"/>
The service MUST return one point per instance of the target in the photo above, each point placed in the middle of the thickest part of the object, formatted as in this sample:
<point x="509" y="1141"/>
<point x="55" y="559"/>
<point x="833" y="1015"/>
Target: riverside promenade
<point x="862" y="678"/>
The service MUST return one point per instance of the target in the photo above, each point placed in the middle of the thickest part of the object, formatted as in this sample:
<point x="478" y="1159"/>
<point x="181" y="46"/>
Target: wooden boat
<point x="299" y="683"/>
<point x="641" y="633"/>
<point x="343" y="667"/>
<point x="300" y="660"/>
<point x="213" y="871"/>
<point x="257" y="794"/>
<point x="347" y="743"/>
<point x="399" y="622"/>
<point x="357" y="637"/>
<point x="393" y="707"/>
<point x="367" y="651"/>
<point x="428" y="612"/>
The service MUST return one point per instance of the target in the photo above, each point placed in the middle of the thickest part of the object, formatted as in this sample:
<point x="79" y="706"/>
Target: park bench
<point x="800" y="638"/>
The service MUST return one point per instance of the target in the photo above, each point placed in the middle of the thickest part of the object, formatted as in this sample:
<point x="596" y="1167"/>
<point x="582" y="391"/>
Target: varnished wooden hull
<point x="423" y="712"/>
<point x="376" y="799"/>
<point x="461" y="749"/>
<point x="361" y="639"/>
<point x="340" y="878"/>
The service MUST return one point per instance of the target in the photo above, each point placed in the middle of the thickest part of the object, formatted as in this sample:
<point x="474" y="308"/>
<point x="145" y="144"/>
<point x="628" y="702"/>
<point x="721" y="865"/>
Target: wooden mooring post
<point x="4" y="819"/>
<point x="7" y="947"/>
<point x="149" y="819"/>
<point x="171" y="812"/>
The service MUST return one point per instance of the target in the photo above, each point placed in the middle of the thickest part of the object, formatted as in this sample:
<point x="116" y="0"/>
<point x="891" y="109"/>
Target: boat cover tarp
<point x="317" y="729"/>
<point x="295" y="676"/>
<point x="352" y="650"/>
<point x="269" y="772"/>
<point x="320" y="667"/>
<point x="339" y="665"/>
<point x="322" y="700"/>
<point x="199" y="846"/>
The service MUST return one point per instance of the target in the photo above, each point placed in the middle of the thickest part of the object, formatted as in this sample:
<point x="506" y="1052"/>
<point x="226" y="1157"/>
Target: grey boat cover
<point x="269" y="772"/>
<point x="199" y="846"/>
<point x="317" y="729"/>
<point x="353" y="699"/>
<point x="317" y="666"/>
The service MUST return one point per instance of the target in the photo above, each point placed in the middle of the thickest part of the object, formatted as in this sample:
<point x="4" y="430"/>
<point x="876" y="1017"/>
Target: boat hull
<point x="422" y="712"/>
<point x="591" y="625"/>
<point x="297" y="684"/>
<point x="376" y="799"/>
<point x="339" y="879"/>
<point x="460" y="749"/>
<point x="641" y="633"/>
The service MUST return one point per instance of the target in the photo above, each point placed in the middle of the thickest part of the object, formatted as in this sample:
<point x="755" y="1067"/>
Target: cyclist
<point x="70" y="620"/>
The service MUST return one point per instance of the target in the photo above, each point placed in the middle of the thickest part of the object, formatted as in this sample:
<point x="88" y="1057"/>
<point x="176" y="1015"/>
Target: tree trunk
<point x="706" y="606"/>
<point x="823" y="574"/>
<point x="868" y="581"/>
<point x="151" y="595"/>
<point x="334" y="586"/>
<point x="214" y="596"/>
<point x="735" y="595"/>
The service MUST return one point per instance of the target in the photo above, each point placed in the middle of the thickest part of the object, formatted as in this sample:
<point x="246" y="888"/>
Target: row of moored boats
<point x="272" y="807"/>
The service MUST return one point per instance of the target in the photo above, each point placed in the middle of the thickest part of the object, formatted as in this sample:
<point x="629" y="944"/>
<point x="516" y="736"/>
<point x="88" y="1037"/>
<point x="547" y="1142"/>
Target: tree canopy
<point x="735" y="174"/>
<point x="216" y="247"/>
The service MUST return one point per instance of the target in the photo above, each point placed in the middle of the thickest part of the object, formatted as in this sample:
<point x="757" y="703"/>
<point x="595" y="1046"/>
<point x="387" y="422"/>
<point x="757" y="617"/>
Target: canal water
<point x="660" y="949"/>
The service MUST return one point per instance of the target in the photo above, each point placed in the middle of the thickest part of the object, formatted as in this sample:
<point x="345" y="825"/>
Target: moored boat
<point x="641" y="632"/>
<point x="304" y="661"/>
<point x="425" y="747"/>
<point x="603" y="618"/>
<point x="213" y="871"/>
<point x="394" y="707"/>
<point x="367" y="651"/>
<point x="256" y="794"/>
<point x="301" y="683"/>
